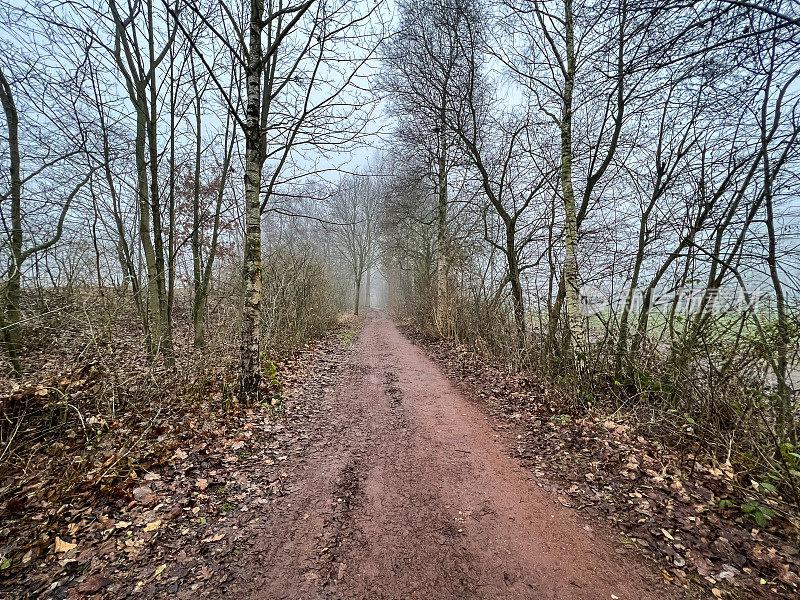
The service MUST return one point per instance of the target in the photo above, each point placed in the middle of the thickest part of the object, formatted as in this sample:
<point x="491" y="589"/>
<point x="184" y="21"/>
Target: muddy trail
<point x="406" y="491"/>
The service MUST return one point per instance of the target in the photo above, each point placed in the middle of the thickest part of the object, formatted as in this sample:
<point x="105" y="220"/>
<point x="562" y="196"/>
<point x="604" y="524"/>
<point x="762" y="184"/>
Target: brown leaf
<point x="152" y="526"/>
<point x="62" y="546"/>
<point x="92" y="584"/>
<point x="141" y="493"/>
<point x="205" y="573"/>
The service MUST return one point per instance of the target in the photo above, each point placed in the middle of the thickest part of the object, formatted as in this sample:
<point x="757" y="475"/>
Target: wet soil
<point x="406" y="490"/>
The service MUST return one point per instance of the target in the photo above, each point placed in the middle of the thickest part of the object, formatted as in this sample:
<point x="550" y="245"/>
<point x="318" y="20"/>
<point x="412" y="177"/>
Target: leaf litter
<point x="164" y="525"/>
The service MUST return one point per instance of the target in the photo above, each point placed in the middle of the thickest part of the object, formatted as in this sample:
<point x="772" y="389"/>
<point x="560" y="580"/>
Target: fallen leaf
<point x="152" y="526"/>
<point x="205" y="573"/>
<point x="92" y="584"/>
<point x="62" y="546"/>
<point x="202" y="484"/>
<point x="141" y="492"/>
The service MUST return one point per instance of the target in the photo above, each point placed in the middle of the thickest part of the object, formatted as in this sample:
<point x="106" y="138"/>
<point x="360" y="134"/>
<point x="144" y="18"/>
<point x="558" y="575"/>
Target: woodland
<point x="586" y="213"/>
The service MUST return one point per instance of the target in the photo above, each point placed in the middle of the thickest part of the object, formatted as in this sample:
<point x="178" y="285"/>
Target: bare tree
<point x="355" y="206"/>
<point x="14" y="219"/>
<point x="296" y="73"/>
<point x="425" y="63"/>
<point x="138" y="51"/>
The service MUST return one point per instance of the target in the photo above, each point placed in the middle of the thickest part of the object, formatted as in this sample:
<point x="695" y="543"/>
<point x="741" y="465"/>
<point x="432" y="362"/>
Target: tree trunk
<point x="622" y="340"/>
<point x="171" y="241"/>
<point x="203" y="290"/>
<point x="574" y="316"/>
<point x="127" y="264"/>
<point x="358" y="294"/>
<point x="780" y="366"/>
<point x="516" y="286"/>
<point x="442" y="299"/>
<point x="140" y="76"/>
<point x="12" y="294"/>
<point x="162" y="342"/>
<point x="156" y="323"/>
<point x="367" y="284"/>
<point x="198" y="300"/>
<point x="250" y="376"/>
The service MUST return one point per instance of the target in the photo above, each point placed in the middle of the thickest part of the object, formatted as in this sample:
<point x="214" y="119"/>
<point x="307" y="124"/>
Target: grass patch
<point x="350" y="334"/>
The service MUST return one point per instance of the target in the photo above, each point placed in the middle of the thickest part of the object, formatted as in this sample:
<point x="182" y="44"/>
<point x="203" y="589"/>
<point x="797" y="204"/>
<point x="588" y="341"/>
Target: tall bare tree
<point x="296" y="73"/>
<point x="355" y="207"/>
<point x="13" y="216"/>
<point x="425" y="63"/>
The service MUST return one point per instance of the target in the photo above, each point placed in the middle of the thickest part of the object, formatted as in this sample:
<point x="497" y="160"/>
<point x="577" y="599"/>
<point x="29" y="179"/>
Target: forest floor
<point x="384" y="479"/>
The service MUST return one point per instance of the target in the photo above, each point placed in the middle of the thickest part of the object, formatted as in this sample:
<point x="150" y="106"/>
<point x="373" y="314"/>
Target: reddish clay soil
<point x="406" y="491"/>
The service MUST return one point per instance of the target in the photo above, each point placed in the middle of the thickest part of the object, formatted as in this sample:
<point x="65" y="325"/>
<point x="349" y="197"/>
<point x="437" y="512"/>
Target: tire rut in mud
<point x="394" y="393"/>
<point x="348" y="495"/>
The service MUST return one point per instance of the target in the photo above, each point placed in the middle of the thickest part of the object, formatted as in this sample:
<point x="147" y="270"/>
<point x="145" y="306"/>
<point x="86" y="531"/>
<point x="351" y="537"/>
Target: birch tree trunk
<point x="574" y="316"/>
<point x="251" y="311"/>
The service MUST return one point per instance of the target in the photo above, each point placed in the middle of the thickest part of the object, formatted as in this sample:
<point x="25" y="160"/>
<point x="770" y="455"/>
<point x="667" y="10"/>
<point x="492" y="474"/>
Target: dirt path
<point x="406" y="491"/>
